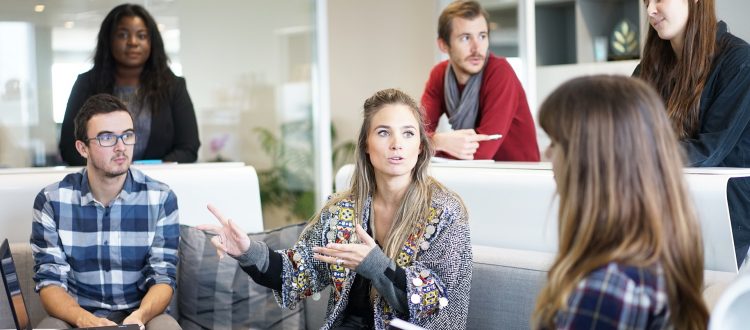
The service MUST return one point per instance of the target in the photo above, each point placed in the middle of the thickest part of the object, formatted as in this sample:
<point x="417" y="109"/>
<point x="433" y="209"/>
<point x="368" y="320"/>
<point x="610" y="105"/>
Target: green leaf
<point x="618" y="47"/>
<point x="619" y="37"/>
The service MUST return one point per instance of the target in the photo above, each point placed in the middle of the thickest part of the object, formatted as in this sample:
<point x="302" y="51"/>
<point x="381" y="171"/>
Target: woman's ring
<point x="339" y="262"/>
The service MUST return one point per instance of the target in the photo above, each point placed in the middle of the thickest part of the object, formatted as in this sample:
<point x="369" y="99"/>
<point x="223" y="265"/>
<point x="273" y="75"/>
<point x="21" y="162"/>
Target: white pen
<point x="494" y="136"/>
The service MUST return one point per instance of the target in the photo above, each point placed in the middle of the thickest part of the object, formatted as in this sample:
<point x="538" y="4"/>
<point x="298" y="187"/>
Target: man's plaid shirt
<point x="105" y="257"/>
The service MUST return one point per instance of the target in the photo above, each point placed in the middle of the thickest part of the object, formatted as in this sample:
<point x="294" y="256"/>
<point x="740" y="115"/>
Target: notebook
<point x="15" y="296"/>
<point x="401" y="324"/>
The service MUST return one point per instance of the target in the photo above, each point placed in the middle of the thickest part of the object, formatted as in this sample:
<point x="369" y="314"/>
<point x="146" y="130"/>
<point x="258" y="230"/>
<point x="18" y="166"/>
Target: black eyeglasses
<point x="109" y="139"/>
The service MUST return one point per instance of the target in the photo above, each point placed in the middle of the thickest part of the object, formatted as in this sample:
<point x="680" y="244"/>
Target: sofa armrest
<point x="714" y="285"/>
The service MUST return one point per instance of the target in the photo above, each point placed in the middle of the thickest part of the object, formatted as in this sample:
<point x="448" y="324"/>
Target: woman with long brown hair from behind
<point x="702" y="73"/>
<point x="630" y="254"/>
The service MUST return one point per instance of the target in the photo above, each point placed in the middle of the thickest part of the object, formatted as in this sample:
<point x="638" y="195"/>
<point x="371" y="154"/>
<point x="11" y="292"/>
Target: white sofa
<point x="232" y="187"/>
<point x="513" y="211"/>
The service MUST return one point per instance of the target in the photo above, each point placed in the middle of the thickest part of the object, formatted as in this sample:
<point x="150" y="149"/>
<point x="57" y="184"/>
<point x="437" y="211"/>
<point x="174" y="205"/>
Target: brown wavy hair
<point x="463" y="9"/>
<point x="680" y="80"/>
<point x="622" y="194"/>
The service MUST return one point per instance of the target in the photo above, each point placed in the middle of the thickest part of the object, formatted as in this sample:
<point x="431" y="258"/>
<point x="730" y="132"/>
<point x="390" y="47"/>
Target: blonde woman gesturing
<point x="395" y="244"/>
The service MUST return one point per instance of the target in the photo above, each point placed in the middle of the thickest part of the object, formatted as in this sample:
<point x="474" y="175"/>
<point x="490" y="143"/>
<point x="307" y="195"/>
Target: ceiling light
<point x="69" y="24"/>
<point x="39" y="8"/>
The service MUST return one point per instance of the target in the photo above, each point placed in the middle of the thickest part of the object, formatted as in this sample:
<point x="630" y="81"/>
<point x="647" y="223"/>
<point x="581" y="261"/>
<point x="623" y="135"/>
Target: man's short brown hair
<point x="96" y="104"/>
<point x="464" y="9"/>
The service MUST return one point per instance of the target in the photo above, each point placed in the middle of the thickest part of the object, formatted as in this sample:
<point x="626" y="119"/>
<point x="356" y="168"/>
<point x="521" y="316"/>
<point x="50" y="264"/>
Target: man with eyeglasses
<point x="105" y="238"/>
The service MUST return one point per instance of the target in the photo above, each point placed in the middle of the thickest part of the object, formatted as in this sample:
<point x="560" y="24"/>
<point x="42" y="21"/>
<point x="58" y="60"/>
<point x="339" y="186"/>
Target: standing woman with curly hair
<point x="130" y="62"/>
<point x="630" y="254"/>
<point x="702" y="73"/>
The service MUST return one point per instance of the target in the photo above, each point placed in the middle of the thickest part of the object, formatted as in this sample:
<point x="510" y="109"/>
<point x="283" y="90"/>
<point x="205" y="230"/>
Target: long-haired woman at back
<point x="630" y="254"/>
<point x="702" y="73"/>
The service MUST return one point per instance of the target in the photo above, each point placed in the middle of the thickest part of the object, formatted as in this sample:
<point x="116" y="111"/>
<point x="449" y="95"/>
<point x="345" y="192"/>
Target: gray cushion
<point x="504" y="286"/>
<point x="218" y="294"/>
<point x="503" y="297"/>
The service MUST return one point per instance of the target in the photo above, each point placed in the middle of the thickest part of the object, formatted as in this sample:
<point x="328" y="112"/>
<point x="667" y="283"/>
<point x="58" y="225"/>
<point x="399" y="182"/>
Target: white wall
<point x="375" y="45"/>
<point x="735" y="12"/>
<point x="235" y="41"/>
<point x="234" y="58"/>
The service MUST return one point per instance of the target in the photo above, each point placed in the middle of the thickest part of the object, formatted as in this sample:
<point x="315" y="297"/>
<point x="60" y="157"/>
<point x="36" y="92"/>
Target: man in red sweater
<point x="478" y="91"/>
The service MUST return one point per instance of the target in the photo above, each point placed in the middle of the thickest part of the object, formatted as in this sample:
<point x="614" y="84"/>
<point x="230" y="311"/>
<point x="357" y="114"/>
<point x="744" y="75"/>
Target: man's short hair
<point x="96" y="104"/>
<point x="464" y="9"/>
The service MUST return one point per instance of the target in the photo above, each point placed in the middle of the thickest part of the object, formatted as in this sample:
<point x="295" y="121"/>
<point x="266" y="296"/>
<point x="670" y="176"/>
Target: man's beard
<point x="114" y="174"/>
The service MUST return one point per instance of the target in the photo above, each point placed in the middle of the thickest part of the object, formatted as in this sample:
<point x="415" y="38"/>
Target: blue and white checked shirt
<point x="617" y="296"/>
<point x="105" y="257"/>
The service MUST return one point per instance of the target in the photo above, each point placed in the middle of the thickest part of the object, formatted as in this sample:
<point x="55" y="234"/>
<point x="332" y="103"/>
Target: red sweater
<point x="502" y="110"/>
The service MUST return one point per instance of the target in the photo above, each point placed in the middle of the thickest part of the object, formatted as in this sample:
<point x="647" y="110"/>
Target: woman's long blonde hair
<point x="622" y="194"/>
<point x="416" y="203"/>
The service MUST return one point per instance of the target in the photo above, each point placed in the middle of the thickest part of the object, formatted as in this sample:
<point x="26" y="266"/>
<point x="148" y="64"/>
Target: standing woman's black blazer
<point x="174" y="130"/>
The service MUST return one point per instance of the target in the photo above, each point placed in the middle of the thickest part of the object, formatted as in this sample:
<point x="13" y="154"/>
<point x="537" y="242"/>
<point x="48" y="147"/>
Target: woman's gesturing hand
<point x="347" y="255"/>
<point x="229" y="238"/>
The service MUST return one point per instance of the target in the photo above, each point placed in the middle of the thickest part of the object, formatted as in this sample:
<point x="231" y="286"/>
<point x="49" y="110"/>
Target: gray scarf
<point x="463" y="107"/>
